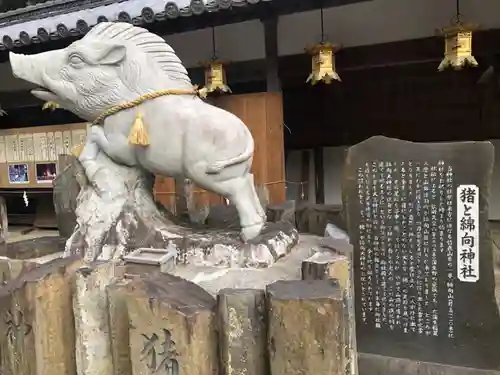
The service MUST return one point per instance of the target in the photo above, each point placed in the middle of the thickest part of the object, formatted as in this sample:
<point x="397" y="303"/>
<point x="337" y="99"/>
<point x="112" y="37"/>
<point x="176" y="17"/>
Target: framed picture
<point x="45" y="173"/>
<point x="18" y="174"/>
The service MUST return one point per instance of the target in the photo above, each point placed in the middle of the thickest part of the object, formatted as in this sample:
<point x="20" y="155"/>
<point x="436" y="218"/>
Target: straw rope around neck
<point x="138" y="134"/>
<point x="141" y="99"/>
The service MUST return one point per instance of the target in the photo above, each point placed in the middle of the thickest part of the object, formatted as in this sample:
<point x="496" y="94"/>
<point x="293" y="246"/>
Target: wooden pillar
<point x="274" y="125"/>
<point x="306" y="327"/>
<point x="181" y="206"/>
<point x="273" y="83"/>
<point x="242" y="331"/>
<point x="37" y="334"/>
<point x="304" y="177"/>
<point x="319" y="172"/>
<point x="172" y="326"/>
<point x="329" y="265"/>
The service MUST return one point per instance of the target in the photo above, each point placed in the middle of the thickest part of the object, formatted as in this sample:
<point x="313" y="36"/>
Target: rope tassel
<point x="138" y="134"/>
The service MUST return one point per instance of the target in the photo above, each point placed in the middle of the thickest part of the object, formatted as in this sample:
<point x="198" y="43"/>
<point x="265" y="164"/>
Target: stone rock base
<point x="116" y="214"/>
<point x="223" y="248"/>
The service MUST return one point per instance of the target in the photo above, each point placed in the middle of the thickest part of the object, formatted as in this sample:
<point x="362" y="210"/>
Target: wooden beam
<point x="271" y="47"/>
<point x="18" y="99"/>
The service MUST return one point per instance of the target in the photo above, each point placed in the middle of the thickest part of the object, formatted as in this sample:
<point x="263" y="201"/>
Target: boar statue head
<point x="114" y="63"/>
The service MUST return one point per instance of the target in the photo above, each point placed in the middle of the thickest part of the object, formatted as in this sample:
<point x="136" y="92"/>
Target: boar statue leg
<point x="236" y="184"/>
<point x="258" y="204"/>
<point x="115" y="145"/>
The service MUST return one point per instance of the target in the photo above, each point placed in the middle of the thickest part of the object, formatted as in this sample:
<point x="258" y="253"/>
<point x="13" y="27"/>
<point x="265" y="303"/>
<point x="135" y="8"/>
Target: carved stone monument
<point x="418" y="219"/>
<point x="146" y="119"/>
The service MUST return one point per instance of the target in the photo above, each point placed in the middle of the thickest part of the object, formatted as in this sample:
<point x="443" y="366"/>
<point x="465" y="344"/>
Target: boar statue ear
<point x="106" y="53"/>
<point x="113" y="54"/>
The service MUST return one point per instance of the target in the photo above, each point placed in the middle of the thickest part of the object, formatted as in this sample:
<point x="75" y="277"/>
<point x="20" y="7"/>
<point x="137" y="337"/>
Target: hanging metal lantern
<point x="215" y="77"/>
<point x="458" y="43"/>
<point x="323" y="63"/>
<point x="323" y="58"/>
<point x="458" y="47"/>
<point x="50" y="105"/>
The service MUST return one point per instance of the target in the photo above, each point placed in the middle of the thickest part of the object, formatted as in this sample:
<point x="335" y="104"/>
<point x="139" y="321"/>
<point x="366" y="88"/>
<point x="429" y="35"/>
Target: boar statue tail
<point x="219" y="165"/>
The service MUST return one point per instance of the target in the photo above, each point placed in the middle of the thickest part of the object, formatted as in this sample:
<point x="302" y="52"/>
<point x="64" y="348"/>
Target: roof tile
<point x="62" y="18"/>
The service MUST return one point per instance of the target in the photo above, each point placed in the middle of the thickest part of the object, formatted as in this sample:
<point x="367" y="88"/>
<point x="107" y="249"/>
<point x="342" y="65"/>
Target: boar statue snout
<point x="23" y="67"/>
<point x="27" y="68"/>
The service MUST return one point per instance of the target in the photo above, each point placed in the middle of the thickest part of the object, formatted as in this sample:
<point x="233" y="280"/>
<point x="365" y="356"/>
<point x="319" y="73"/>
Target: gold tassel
<point x="77" y="150"/>
<point x="138" y="134"/>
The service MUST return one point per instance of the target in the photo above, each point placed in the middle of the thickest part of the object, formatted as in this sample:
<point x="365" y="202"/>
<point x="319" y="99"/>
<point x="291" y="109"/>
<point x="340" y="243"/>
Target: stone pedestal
<point x="12" y="268"/>
<point x="328" y="265"/>
<point x="306" y="328"/>
<point x="90" y="305"/>
<point x="132" y="220"/>
<point x="37" y="334"/>
<point x="242" y="331"/>
<point x="119" y="327"/>
<point x="172" y="326"/>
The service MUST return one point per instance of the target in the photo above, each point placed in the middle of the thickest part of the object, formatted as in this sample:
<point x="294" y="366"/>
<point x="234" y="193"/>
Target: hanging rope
<point x="458" y="15"/>
<point x="214" y="50"/>
<point x="322" y="25"/>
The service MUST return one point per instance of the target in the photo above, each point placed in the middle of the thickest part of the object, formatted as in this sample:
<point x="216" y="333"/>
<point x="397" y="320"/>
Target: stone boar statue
<point x="117" y="63"/>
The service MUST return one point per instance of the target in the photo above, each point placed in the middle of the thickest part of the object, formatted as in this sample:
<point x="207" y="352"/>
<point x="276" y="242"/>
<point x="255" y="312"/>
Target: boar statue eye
<point x="75" y="60"/>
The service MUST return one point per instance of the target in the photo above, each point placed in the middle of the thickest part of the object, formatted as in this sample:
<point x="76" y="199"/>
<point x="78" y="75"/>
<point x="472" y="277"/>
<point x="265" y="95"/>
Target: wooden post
<point x="306" y="327"/>
<point x="12" y="268"/>
<point x="172" y="326"/>
<point x="328" y="265"/>
<point x="66" y="190"/>
<point x="319" y="172"/>
<point x="181" y="207"/>
<point x="304" y="179"/>
<point x="273" y="82"/>
<point x="37" y="333"/>
<point x="119" y="327"/>
<point x="90" y="305"/>
<point x="242" y="331"/>
<point x="4" y="227"/>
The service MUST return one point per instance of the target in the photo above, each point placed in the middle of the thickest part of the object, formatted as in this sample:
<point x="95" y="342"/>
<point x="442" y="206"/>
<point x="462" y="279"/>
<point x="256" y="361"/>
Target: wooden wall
<point x="263" y="114"/>
<point x="413" y="102"/>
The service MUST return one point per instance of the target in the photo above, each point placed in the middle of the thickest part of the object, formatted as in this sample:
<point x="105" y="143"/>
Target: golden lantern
<point x="458" y="44"/>
<point x="215" y="75"/>
<point x="323" y="59"/>
<point x="458" y="47"/>
<point x="323" y="63"/>
<point x="50" y="105"/>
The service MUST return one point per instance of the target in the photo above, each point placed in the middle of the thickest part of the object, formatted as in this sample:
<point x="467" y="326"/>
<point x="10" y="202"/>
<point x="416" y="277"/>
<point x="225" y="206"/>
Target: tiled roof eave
<point x="59" y="19"/>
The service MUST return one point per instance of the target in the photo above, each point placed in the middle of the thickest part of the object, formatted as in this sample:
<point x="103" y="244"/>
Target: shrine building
<point x="380" y="58"/>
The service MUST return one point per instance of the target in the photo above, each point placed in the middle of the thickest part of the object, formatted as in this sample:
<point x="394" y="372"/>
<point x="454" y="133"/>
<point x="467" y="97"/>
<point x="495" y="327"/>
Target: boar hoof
<point x="251" y="231"/>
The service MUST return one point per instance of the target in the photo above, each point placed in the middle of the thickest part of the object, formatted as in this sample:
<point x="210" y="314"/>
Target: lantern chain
<point x="214" y="57"/>
<point x="322" y="25"/>
<point x="458" y="15"/>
